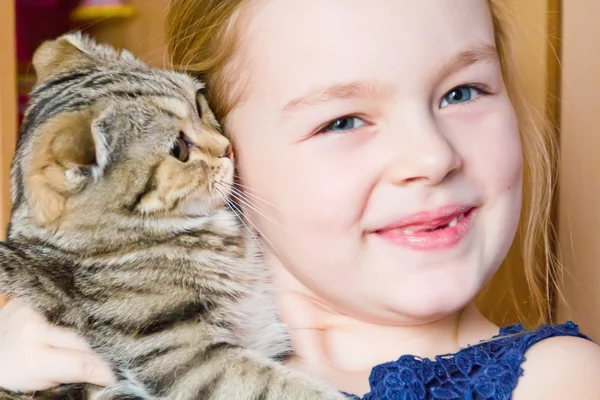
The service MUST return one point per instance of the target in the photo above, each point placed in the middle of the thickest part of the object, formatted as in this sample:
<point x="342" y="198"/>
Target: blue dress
<point x="486" y="371"/>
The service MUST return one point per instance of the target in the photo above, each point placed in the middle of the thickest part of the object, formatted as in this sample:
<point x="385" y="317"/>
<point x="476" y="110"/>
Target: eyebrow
<point x="341" y="91"/>
<point x="345" y="91"/>
<point x="482" y="53"/>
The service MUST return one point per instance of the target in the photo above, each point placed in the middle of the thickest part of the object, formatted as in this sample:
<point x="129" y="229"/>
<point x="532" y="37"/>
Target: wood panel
<point x="579" y="213"/>
<point x="530" y="37"/>
<point x="8" y="105"/>
<point x="142" y="34"/>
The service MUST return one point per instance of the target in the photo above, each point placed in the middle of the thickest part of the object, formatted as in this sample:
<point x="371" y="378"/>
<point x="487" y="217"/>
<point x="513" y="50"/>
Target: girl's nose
<point x="426" y="157"/>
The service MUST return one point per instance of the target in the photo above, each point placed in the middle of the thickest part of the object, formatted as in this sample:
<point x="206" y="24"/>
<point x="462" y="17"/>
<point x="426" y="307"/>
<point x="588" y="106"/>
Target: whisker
<point x="241" y="195"/>
<point x="255" y="197"/>
<point x="240" y="216"/>
<point x="259" y="231"/>
<point x="254" y="208"/>
<point x="245" y="187"/>
<point x="232" y="204"/>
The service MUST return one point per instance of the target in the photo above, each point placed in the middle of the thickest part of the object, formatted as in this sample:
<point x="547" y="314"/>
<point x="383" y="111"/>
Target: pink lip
<point x="418" y="232"/>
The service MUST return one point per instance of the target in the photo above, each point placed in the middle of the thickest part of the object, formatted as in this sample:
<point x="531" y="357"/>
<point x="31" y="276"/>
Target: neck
<point x="374" y="344"/>
<point x="343" y="349"/>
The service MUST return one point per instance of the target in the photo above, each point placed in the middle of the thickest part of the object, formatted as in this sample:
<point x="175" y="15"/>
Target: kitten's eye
<point x="458" y="95"/>
<point x="180" y="150"/>
<point x="343" y="124"/>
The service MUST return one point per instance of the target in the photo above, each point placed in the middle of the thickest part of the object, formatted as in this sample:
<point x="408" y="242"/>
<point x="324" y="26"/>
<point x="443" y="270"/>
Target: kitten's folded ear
<point x="73" y="52"/>
<point x="59" y="54"/>
<point x="68" y="152"/>
<point x="84" y="150"/>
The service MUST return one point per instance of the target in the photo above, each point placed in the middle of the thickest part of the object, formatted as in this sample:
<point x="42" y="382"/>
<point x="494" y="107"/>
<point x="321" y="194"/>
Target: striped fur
<point x="113" y="236"/>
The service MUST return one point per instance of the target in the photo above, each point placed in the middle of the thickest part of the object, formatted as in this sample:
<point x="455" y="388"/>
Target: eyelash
<point x="326" y="128"/>
<point x="482" y="89"/>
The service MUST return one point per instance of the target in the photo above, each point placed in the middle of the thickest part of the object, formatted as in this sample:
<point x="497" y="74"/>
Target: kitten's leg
<point x="227" y="372"/>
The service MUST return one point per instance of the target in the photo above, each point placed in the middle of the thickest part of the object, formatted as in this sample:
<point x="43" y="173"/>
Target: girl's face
<point x="383" y="136"/>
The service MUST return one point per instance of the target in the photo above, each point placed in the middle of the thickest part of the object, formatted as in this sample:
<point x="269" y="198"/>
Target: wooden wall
<point x="8" y="104"/>
<point x="579" y="201"/>
<point x="143" y="34"/>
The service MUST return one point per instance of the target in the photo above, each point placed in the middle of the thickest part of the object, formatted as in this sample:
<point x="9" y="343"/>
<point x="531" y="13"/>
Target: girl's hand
<point x="35" y="355"/>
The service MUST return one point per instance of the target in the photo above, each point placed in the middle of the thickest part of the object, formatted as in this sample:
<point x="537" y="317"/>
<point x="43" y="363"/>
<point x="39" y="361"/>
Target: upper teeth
<point x="456" y="219"/>
<point x="409" y="231"/>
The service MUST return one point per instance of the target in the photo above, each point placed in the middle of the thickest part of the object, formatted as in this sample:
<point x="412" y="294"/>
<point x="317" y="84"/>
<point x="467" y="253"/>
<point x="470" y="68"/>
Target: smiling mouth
<point x="436" y="234"/>
<point x="451" y="223"/>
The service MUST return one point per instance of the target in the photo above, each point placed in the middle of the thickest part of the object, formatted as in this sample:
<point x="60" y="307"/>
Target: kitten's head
<point x="104" y="134"/>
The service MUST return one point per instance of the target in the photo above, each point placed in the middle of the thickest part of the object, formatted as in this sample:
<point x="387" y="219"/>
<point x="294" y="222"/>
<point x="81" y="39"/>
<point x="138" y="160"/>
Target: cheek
<point x="300" y="182"/>
<point x="329" y="197"/>
<point x="491" y="152"/>
<point x="493" y="164"/>
<point x="315" y="203"/>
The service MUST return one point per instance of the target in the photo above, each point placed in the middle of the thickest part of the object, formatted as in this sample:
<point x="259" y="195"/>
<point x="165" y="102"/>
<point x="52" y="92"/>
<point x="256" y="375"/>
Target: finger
<point x="73" y="366"/>
<point x="64" y="338"/>
<point x="21" y="312"/>
<point x="12" y="306"/>
<point x="38" y="327"/>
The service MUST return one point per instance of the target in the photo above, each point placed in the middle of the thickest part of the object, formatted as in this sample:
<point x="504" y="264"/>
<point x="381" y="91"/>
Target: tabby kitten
<point x="120" y="229"/>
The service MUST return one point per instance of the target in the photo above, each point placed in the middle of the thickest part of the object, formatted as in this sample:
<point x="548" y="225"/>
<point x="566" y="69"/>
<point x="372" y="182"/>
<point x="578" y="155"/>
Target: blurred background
<point x="557" y="49"/>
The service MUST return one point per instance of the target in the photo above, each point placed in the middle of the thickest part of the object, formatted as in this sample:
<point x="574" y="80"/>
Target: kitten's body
<point x="133" y="246"/>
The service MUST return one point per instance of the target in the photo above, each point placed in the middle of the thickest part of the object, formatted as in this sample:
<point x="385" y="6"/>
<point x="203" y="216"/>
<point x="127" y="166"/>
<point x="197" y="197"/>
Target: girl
<point x="390" y="146"/>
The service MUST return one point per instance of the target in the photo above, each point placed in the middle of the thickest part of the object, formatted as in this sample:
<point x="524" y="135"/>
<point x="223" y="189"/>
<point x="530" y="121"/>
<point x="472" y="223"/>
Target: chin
<point x="429" y="311"/>
<point x="425" y="303"/>
<point x="423" y="313"/>
<point x="425" y="289"/>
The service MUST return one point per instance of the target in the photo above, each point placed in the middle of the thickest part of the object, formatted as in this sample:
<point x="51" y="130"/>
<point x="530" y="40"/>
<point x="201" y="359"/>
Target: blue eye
<point x="343" y="124"/>
<point x="458" y="95"/>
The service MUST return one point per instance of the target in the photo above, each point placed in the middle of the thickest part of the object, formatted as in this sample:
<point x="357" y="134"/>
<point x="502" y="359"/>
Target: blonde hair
<point x="203" y="40"/>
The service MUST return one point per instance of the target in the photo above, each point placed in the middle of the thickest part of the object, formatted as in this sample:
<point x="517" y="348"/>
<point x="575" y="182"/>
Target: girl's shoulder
<point x="491" y="369"/>
<point x="563" y="365"/>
